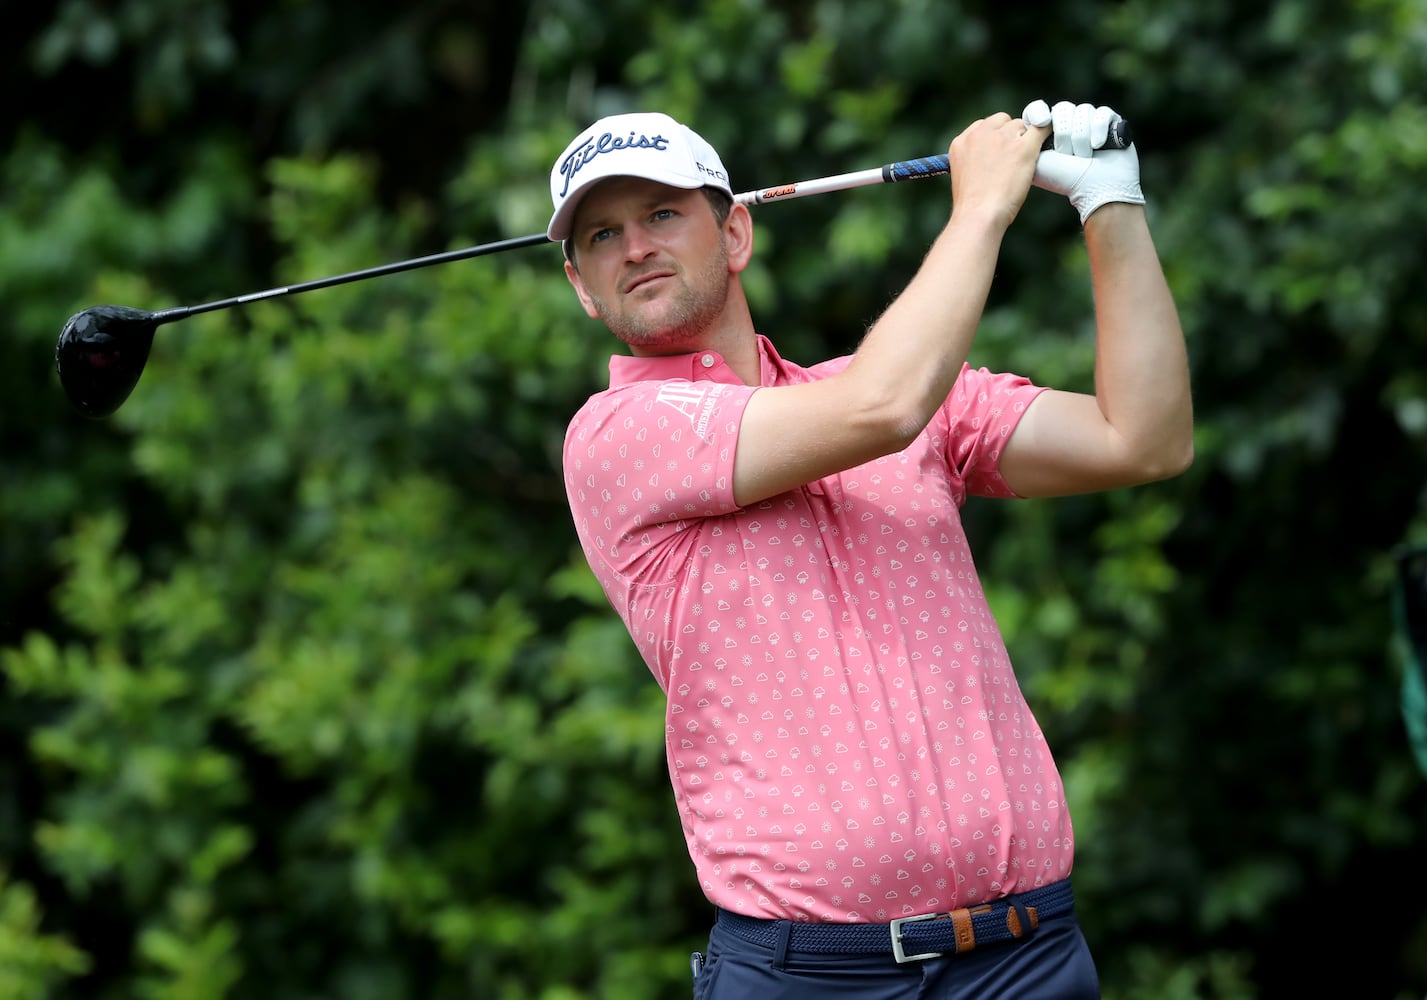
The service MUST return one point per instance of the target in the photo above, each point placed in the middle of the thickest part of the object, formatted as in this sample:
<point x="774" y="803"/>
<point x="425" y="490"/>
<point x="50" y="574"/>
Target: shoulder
<point x="822" y="369"/>
<point x="661" y="408"/>
<point x="980" y="391"/>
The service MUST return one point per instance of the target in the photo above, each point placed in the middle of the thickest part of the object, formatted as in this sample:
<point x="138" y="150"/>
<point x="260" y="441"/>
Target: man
<point x="866" y="797"/>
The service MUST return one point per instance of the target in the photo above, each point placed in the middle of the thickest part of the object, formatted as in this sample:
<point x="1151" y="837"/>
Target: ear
<point x="579" y="285"/>
<point x="738" y="237"/>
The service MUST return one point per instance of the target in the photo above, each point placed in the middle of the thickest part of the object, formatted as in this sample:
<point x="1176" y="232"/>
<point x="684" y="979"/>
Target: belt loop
<point x="1022" y="922"/>
<point x="782" y="933"/>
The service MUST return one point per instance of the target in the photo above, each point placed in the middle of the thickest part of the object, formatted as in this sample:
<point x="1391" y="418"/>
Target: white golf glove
<point x="1079" y="166"/>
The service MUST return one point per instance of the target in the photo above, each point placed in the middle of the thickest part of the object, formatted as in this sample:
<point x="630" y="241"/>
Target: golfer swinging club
<point x="867" y="799"/>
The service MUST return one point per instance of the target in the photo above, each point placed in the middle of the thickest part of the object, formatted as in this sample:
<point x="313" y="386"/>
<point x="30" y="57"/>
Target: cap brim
<point x="563" y="221"/>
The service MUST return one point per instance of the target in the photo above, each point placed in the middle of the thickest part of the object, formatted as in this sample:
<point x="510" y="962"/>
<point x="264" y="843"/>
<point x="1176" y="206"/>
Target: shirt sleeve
<point x="983" y="410"/>
<point x="643" y="458"/>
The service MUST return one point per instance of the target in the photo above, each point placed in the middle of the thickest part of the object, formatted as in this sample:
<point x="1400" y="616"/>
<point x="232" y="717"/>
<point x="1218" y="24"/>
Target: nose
<point x="638" y="242"/>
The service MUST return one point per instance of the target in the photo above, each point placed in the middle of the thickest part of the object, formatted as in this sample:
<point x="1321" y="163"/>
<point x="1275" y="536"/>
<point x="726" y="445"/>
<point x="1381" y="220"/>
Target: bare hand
<point x="992" y="163"/>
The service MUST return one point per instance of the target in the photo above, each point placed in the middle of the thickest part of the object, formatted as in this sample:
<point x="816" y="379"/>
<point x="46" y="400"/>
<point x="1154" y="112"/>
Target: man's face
<point x="651" y="263"/>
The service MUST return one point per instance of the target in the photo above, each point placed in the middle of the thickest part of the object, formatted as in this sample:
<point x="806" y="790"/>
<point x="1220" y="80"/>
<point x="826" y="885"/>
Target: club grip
<point x="1119" y="137"/>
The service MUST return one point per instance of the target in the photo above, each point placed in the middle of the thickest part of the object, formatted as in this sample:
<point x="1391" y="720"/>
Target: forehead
<point x="614" y="196"/>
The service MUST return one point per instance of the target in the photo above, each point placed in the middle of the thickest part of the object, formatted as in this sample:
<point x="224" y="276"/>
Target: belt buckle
<point x="898" y="952"/>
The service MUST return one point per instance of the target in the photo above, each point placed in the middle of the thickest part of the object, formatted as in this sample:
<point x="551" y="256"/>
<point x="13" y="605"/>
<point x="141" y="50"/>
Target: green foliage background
<point x="305" y="691"/>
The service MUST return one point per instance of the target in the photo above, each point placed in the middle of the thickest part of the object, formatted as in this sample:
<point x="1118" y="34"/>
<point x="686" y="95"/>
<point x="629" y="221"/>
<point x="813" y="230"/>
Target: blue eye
<point x="599" y="236"/>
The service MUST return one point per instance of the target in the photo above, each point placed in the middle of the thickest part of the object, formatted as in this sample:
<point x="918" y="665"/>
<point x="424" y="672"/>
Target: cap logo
<point x="606" y="143"/>
<point x="712" y="172"/>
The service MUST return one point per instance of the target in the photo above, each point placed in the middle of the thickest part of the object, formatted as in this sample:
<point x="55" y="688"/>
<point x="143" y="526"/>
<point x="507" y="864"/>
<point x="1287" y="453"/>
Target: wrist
<point x="978" y="222"/>
<point x="1114" y="213"/>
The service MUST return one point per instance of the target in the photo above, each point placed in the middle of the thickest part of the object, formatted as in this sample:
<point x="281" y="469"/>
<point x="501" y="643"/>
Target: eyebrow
<point x="598" y="222"/>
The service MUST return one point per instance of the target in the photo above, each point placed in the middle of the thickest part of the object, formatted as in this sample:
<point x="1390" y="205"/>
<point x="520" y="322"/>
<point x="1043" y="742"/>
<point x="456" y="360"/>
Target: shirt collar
<point x="700" y="366"/>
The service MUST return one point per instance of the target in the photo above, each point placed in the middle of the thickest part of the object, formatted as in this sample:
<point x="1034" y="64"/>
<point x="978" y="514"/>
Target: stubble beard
<point x="683" y="320"/>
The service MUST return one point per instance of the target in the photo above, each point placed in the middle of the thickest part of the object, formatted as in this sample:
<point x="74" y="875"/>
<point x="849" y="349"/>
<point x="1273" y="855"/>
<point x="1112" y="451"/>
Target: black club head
<point x="101" y="354"/>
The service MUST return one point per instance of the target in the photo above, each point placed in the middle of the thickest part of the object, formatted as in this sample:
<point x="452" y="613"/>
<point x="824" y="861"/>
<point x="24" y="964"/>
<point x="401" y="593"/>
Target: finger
<point x="1039" y="134"/>
<point x="1100" y="126"/>
<point x="1059" y="172"/>
<point x="1080" y="130"/>
<point x="1062" y="117"/>
<point x="1037" y="114"/>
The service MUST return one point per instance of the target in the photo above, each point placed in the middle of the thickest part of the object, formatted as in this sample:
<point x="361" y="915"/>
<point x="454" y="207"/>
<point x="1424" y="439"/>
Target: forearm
<point x="1141" y="365"/>
<point x="910" y="359"/>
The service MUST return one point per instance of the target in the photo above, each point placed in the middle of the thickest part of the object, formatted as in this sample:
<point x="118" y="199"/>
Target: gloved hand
<point x="1078" y="166"/>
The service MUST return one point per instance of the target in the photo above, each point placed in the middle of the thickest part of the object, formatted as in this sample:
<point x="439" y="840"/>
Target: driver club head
<point x="101" y="354"/>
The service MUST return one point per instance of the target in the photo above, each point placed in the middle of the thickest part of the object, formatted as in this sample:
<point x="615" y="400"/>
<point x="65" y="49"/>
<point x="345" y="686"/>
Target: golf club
<point x="102" y="350"/>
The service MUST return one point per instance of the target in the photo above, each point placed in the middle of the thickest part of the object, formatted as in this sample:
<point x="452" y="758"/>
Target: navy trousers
<point x="1054" y="962"/>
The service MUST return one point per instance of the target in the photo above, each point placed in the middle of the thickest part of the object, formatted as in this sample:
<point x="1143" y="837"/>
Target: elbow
<point x="1169" y="451"/>
<point x="886" y="407"/>
<point x="1181" y="452"/>
<point x="896" y="424"/>
<point x="1171" y="461"/>
<point x="1186" y="456"/>
<point x="884" y="419"/>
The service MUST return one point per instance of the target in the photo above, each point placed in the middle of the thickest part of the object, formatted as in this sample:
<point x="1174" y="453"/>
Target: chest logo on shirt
<point x="695" y="401"/>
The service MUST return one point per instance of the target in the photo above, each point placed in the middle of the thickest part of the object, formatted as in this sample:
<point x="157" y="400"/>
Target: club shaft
<point x="889" y="173"/>
<point x="902" y="170"/>
<point x="179" y="312"/>
<point x="906" y="170"/>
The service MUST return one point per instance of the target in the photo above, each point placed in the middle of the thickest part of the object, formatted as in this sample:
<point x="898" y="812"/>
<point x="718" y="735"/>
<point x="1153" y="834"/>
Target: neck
<point x="731" y="335"/>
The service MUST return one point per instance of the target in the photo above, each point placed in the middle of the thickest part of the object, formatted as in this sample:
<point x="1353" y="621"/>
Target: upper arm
<point x="1063" y="444"/>
<point x="791" y="435"/>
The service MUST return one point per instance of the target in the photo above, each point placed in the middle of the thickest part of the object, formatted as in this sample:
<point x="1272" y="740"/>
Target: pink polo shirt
<point x="846" y="738"/>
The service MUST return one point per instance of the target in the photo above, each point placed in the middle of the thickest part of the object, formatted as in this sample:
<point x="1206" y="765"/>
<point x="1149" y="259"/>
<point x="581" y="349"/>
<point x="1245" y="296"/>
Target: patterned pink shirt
<point x="846" y="738"/>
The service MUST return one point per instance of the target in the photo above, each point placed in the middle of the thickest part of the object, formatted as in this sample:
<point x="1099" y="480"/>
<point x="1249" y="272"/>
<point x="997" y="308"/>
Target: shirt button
<point x="707" y="360"/>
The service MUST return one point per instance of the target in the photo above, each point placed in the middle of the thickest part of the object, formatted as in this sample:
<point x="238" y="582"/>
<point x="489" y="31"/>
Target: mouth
<point x="642" y="280"/>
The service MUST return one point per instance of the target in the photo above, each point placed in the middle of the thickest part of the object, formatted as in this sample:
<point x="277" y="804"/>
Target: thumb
<point x="1059" y="172"/>
<point x="1037" y="114"/>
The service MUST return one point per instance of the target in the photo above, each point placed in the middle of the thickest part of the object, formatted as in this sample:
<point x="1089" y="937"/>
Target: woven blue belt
<point x="910" y="939"/>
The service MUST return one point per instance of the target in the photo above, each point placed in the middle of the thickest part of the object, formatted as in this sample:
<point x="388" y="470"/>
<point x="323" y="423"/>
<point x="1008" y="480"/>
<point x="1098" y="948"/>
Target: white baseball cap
<point x="644" y="144"/>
